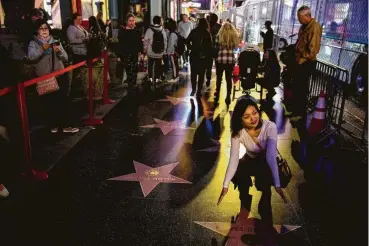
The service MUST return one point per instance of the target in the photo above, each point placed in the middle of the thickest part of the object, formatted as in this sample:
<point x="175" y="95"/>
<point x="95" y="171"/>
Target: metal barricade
<point x="341" y="113"/>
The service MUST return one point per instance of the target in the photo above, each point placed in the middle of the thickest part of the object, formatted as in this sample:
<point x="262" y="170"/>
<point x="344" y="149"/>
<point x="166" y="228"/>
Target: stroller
<point x="249" y="62"/>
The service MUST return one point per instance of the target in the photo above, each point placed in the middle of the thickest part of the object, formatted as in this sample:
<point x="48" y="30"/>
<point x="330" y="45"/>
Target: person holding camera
<point x="50" y="56"/>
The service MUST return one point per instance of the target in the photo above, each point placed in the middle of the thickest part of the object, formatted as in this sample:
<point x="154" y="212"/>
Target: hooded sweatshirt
<point x="148" y="40"/>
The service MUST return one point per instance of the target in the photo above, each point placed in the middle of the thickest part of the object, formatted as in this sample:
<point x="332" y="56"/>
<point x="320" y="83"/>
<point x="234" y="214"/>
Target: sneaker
<point x="172" y="80"/>
<point x="3" y="191"/>
<point x="70" y="130"/>
<point x="54" y="130"/>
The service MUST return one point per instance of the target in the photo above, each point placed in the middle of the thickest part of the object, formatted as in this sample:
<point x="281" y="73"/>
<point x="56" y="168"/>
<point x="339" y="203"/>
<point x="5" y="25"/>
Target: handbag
<point x="48" y="85"/>
<point x="285" y="174"/>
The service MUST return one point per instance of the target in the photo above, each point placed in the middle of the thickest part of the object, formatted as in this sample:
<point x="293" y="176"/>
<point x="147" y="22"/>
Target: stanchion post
<point x="106" y="71"/>
<point x="28" y="171"/>
<point x="21" y="98"/>
<point x="91" y="121"/>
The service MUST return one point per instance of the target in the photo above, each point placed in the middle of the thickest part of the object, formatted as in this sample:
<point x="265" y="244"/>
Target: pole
<point x="106" y="71"/>
<point x="91" y="121"/>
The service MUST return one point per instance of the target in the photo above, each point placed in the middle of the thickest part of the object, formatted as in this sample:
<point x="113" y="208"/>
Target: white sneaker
<point x="3" y="191"/>
<point x="70" y="130"/>
<point x="54" y="130"/>
<point x="173" y="80"/>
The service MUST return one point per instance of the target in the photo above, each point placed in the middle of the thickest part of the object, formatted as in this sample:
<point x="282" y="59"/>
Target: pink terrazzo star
<point x="168" y="126"/>
<point x="150" y="177"/>
<point x="245" y="225"/>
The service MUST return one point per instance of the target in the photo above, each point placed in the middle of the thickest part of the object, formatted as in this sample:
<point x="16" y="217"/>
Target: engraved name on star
<point x="150" y="177"/>
<point x="256" y="229"/>
<point x="168" y="126"/>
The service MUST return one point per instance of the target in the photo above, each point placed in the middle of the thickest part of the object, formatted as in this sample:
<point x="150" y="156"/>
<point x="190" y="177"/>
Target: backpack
<point x="158" y="41"/>
<point x="180" y="47"/>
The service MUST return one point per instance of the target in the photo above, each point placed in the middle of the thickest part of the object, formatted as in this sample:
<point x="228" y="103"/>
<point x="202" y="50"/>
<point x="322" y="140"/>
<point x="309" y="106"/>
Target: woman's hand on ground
<point x="281" y="193"/>
<point x="222" y="194"/>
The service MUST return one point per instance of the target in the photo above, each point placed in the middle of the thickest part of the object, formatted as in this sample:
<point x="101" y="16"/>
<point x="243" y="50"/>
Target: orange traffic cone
<point x="317" y="122"/>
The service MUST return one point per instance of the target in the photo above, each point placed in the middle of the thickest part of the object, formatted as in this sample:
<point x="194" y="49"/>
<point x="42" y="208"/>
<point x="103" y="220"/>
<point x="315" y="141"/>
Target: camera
<point x="56" y="43"/>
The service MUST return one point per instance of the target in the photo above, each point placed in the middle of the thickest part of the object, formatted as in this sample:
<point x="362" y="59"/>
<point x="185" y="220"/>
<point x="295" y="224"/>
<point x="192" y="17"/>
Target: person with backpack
<point x="200" y="46"/>
<point x="155" y="43"/>
<point x="172" y="49"/>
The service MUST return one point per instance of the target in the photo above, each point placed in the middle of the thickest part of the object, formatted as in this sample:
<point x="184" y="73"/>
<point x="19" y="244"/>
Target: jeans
<point x="228" y="69"/>
<point x="130" y="63"/>
<point x="155" y="68"/>
<point x="57" y="105"/>
<point x="175" y="66"/>
<point x="300" y="87"/>
<point x="198" y="67"/>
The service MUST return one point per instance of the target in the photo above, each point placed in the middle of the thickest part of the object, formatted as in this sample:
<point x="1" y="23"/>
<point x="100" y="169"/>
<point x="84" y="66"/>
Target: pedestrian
<point x="200" y="44"/>
<point x="155" y="44"/>
<point x="226" y="41"/>
<point x="307" y="48"/>
<point x="130" y="50"/>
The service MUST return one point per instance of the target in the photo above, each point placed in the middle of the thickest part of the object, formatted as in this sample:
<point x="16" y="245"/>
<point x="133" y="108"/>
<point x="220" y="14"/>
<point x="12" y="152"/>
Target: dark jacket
<point x="268" y="39"/>
<point x="130" y="41"/>
<point x="200" y="44"/>
<point x="214" y="29"/>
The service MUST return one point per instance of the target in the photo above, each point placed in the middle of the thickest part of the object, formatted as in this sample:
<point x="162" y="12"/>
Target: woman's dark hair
<point x="239" y="110"/>
<point x="273" y="60"/>
<point x="203" y="24"/>
<point x="93" y="25"/>
<point x="75" y="15"/>
<point x="172" y="25"/>
<point x="41" y="22"/>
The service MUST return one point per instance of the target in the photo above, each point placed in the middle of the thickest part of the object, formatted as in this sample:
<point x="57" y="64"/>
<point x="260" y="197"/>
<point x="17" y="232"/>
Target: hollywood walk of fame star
<point x="244" y="225"/>
<point x="175" y="100"/>
<point x="150" y="177"/>
<point x="168" y="126"/>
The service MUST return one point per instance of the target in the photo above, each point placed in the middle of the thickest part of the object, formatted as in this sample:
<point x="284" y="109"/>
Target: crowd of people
<point x="181" y="45"/>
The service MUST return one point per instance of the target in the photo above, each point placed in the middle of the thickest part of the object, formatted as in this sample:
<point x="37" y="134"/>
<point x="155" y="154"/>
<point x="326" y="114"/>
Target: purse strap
<point x="52" y="59"/>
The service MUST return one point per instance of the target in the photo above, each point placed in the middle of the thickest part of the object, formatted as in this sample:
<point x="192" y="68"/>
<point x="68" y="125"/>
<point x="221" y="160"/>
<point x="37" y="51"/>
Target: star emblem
<point x="244" y="225"/>
<point x="168" y="126"/>
<point x="150" y="177"/>
<point x="174" y="100"/>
